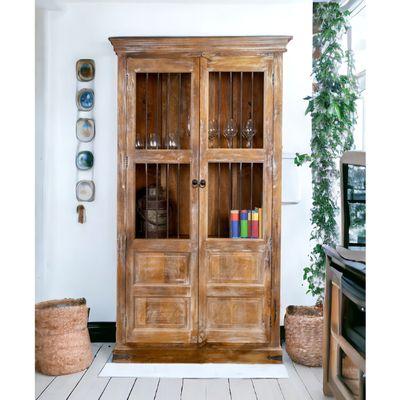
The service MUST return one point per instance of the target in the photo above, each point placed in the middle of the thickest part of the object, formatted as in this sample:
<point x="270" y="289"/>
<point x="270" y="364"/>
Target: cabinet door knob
<point x="195" y="183"/>
<point x="202" y="183"/>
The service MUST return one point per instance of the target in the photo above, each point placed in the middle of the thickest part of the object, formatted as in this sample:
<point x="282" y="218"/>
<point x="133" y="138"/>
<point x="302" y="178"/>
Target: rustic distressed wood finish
<point x="200" y="298"/>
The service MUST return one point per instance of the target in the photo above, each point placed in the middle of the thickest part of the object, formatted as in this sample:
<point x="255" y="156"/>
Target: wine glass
<point x="171" y="141"/>
<point x="230" y="132"/>
<point x="188" y="125"/>
<point x="139" y="143"/>
<point x="152" y="142"/>
<point x="248" y="132"/>
<point x="213" y="132"/>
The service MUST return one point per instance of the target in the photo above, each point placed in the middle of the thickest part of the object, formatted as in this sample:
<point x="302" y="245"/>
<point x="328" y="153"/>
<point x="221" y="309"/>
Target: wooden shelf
<point x="235" y="155"/>
<point x="164" y="156"/>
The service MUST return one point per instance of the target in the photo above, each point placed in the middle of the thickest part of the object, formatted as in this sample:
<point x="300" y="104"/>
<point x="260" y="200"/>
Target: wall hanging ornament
<point x="81" y="214"/>
<point x="85" y="129"/>
<point x="85" y="190"/>
<point x="85" y="99"/>
<point x="85" y="133"/>
<point x="84" y="160"/>
<point x="85" y="70"/>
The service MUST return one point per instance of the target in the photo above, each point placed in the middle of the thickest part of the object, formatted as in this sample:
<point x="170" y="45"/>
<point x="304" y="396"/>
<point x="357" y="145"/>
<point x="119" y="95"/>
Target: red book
<point x="254" y="224"/>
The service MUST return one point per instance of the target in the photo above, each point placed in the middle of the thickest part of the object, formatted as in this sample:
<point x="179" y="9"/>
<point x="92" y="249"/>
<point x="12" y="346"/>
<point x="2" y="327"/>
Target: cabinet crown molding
<point x="197" y="45"/>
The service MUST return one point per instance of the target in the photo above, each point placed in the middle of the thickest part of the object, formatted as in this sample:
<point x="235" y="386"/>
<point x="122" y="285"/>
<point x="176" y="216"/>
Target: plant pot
<point x="303" y="334"/>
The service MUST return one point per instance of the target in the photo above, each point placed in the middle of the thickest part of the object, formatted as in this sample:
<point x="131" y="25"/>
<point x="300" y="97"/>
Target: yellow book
<point x="260" y="223"/>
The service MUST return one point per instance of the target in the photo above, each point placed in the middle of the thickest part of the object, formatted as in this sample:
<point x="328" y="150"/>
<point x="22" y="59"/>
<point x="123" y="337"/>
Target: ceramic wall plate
<point x="85" y="191"/>
<point x="85" y="99"/>
<point x="85" y="129"/>
<point x="85" y="70"/>
<point x="84" y="160"/>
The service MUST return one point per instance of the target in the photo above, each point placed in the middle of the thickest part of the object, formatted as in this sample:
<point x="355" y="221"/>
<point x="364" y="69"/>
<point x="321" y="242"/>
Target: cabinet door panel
<point x="234" y="313"/>
<point x="236" y="113"/>
<point x="162" y="206"/>
<point x="161" y="268"/>
<point x="161" y="312"/>
<point x="235" y="267"/>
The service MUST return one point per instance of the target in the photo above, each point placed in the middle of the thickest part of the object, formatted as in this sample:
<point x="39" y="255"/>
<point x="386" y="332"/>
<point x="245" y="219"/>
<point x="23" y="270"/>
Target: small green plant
<point x="333" y="112"/>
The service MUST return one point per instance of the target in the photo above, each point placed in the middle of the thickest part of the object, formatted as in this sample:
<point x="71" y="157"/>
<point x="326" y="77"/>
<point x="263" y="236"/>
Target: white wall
<point x="80" y="260"/>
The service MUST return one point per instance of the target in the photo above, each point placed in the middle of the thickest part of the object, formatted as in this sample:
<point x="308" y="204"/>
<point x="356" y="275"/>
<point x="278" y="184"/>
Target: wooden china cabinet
<point x="199" y="140"/>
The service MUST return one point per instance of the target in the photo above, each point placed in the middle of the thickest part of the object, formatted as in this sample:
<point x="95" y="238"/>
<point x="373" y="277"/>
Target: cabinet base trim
<point x="198" y="354"/>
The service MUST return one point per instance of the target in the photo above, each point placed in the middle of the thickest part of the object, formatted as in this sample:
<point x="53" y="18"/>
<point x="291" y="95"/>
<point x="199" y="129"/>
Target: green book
<point x="244" y="225"/>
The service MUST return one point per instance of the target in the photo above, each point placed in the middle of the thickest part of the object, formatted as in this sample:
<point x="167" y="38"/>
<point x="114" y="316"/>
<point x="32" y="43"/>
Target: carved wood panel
<point x="161" y="268"/>
<point x="234" y="313"/>
<point x="162" y="312"/>
<point x="235" y="267"/>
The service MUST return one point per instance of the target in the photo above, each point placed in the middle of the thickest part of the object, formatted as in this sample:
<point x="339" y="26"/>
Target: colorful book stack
<point x="246" y="223"/>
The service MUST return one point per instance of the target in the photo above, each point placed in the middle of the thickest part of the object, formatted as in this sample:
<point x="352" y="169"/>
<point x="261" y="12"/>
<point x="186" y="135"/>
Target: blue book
<point x="234" y="224"/>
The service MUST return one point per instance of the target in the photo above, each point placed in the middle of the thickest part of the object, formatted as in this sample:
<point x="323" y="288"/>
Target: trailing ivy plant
<point x="333" y="112"/>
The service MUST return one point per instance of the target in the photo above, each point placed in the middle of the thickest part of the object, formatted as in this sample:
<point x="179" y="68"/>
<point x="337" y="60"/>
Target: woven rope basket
<point x="303" y="334"/>
<point x="62" y="338"/>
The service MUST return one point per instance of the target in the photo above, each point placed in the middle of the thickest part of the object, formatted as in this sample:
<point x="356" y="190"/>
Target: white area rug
<point x="123" y="370"/>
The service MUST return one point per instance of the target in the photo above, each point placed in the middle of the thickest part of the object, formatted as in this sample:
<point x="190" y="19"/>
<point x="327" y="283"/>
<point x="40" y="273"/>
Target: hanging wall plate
<point x="85" y="99"/>
<point x="84" y="160"/>
<point x="85" y="129"/>
<point x="85" y="70"/>
<point x="85" y="191"/>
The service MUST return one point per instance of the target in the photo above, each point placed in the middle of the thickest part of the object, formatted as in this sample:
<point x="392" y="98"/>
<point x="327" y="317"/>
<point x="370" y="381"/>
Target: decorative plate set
<point x="85" y="133"/>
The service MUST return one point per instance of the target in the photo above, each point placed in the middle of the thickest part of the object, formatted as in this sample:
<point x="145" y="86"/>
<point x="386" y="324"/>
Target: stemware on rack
<point x="213" y="132"/>
<point x="249" y="132"/>
<point x="229" y="128"/>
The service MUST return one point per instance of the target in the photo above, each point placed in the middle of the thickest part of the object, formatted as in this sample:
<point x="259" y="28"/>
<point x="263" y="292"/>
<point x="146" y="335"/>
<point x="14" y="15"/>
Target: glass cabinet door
<point x="235" y="109"/>
<point x="236" y="103"/>
<point x="354" y="207"/>
<point x="162" y="204"/>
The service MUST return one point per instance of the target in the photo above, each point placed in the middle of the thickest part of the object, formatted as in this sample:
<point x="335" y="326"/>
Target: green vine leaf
<point x="333" y="112"/>
<point x="300" y="159"/>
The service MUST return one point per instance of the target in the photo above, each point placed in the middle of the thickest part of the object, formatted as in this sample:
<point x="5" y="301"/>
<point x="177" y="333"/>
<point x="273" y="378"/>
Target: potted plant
<point x="332" y="108"/>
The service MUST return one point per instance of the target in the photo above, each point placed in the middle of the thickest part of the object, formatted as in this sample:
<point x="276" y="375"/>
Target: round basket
<point x="303" y="334"/>
<point x="62" y="343"/>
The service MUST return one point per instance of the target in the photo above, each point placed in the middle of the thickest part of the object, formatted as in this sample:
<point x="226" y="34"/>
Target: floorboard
<point x="118" y="388"/>
<point x="91" y="386"/>
<point x="206" y="389"/>
<point x="218" y="389"/>
<point x="144" y="389"/>
<point x="194" y="389"/>
<point x="310" y="381"/>
<point x="41" y="383"/>
<point x="318" y="374"/>
<point x="242" y="389"/>
<point x="169" y="388"/>
<point x="292" y="388"/>
<point x="267" y="389"/>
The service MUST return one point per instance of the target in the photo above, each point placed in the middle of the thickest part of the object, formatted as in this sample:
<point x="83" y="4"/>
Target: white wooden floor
<point x="304" y="383"/>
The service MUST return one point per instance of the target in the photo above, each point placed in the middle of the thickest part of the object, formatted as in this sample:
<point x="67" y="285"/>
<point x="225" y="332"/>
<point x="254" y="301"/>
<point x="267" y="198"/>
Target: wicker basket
<point x="62" y="338"/>
<point x="303" y="334"/>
